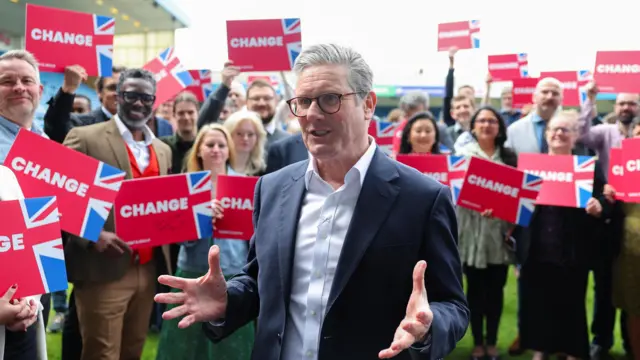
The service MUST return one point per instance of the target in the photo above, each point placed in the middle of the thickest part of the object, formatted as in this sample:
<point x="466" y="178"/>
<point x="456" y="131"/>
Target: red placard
<point x="508" y="192"/>
<point x="383" y="132"/>
<point x="447" y="169"/>
<point x="201" y="86"/>
<point x="568" y="180"/>
<point x="59" y="38"/>
<point x="508" y="67"/>
<point x="631" y="161"/>
<point x="31" y="253"/>
<point x="85" y="187"/>
<point x="171" y="76"/>
<point x="164" y="209"/>
<point x="522" y="91"/>
<point x="235" y="193"/>
<point x="616" y="173"/>
<point x="618" y="71"/>
<point x="460" y="34"/>
<point x="574" y="85"/>
<point x="264" y="45"/>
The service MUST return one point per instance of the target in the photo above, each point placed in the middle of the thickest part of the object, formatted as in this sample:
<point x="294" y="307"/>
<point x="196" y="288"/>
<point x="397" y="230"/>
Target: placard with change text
<point x="567" y="179"/>
<point x="31" y="253"/>
<point x="507" y="191"/>
<point x="447" y="169"/>
<point x="164" y="209"/>
<point x="59" y="38"/>
<point x="631" y="175"/>
<point x="235" y="194"/>
<point x="85" y="188"/>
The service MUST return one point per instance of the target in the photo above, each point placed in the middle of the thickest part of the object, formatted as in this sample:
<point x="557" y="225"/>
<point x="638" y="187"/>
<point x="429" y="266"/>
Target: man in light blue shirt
<point x="20" y="92"/>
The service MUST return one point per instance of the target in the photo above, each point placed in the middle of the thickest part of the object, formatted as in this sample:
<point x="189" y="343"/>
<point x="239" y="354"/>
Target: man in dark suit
<point x="337" y="263"/>
<point x="285" y="152"/>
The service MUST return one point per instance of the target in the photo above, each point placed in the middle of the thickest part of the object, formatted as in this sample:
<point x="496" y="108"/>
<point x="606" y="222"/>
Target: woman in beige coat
<point x="19" y="315"/>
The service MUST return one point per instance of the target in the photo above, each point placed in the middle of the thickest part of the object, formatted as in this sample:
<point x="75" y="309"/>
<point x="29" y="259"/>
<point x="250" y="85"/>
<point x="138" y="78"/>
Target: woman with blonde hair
<point x="249" y="138"/>
<point x="212" y="150"/>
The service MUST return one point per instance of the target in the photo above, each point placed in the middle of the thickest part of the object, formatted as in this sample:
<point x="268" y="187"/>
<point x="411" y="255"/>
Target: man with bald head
<point x="527" y="134"/>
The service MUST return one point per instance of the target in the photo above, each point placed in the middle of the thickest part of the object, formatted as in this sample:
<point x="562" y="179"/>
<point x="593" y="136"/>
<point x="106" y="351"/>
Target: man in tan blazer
<point x="114" y="286"/>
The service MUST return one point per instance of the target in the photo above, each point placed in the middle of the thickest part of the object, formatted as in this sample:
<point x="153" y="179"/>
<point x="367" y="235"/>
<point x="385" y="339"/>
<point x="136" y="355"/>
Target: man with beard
<point x="262" y="98"/>
<point x="114" y="285"/>
<point x="601" y="139"/>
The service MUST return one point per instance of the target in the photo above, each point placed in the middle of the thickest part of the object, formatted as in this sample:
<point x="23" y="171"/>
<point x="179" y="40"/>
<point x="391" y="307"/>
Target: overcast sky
<point x="399" y="37"/>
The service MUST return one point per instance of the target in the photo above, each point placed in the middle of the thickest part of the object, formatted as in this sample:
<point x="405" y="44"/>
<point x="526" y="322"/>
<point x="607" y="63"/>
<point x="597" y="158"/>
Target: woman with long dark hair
<point x="420" y="135"/>
<point x="481" y="239"/>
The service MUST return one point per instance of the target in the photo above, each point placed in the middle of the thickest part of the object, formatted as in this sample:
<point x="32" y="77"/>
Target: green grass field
<point x="507" y="331"/>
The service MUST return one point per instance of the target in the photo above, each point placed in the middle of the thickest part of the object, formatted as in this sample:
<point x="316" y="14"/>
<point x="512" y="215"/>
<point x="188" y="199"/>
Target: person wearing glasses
<point x="114" y="285"/>
<point x="336" y="266"/>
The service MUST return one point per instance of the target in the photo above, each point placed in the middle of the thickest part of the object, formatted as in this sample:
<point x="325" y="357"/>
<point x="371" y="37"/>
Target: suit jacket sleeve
<point x="444" y="282"/>
<point x="243" y="301"/>
<point x="212" y="107"/>
<point x="274" y="158"/>
<point x="74" y="141"/>
<point x="445" y="137"/>
<point x="57" y="119"/>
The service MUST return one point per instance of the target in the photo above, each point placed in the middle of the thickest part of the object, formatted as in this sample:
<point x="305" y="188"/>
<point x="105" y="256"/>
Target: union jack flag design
<point x="382" y="132"/>
<point x="200" y="182"/>
<point x="583" y="168"/>
<point x="202" y="85"/>
<point x="584" y="78"/>
<point x="171" y="75"/>
<point x="104" y="28"/>
<point x="523" y="61"/>
<point x="107" y="181"/>
<point x="36" y="263"/>
<point x="457" y="166"/>
<point x="474" y="33"/>
<point x="292" y="30"/>
<point x="531" y="185"/>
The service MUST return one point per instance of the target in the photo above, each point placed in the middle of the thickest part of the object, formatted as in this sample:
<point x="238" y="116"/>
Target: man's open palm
<point x="417" y="321"/>
<point x="202" y="299"/>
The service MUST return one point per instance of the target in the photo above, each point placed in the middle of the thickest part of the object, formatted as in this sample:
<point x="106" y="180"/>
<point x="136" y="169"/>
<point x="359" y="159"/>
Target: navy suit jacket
<point x="285" y="152"/>
<point x="401" y="217"/>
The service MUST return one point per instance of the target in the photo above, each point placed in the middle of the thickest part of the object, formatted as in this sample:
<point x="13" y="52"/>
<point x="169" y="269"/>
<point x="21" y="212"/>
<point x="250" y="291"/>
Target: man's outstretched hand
<point x="415" y="326"/>
<point x="202" y="299"/>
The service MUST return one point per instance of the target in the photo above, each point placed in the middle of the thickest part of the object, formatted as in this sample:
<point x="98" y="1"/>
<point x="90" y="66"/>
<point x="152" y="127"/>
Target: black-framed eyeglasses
<point x="133" y="96"/>
<point x="329" y="103"/>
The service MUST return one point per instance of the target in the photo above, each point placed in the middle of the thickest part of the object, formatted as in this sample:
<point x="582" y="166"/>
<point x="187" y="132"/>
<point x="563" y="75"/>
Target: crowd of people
<point x="329" y="206"/>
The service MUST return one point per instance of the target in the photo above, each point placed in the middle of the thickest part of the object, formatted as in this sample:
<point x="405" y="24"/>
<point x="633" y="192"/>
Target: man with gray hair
<point x="20" y="92"/>
<point x="411" y="103"/>
<point x="336" y="267"/>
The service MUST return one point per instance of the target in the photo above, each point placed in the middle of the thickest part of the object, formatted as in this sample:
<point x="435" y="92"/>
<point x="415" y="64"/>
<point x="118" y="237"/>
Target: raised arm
<point x="448" y="89"/>
<point x="58" y="118"/>
<point x="213" y="105"/>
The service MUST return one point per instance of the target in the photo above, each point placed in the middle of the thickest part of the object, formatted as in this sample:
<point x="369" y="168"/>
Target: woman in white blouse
<point x="20" y="314"/>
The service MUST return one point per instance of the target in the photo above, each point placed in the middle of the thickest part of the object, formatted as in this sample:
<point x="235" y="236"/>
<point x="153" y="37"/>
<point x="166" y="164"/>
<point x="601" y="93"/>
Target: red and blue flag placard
<point x="383" y="132"/>
<point x="171" y="76"/>
<point x="201" y="86"/>
<point x="567" y="179"/>
<point x="264" y="45"/>
<point x="85" y="187"/>
<point x="31" y="253"/>
<point x="508" y="192"/>
<point x="59" y="38"/>
<point x="164" y="209"/>
<point x="460" y="34"/>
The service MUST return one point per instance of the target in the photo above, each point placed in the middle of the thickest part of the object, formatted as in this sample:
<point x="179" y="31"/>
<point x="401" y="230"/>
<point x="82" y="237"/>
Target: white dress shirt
<point x="324" y="220"/>
<point x="139" y="149"/>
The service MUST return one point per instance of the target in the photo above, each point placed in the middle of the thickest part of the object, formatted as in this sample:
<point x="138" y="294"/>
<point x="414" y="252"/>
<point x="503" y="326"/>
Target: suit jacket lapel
<point x="161" y="155"/>
<point x="374" y="203"/>
<point x="117" y="144"/>
<point x="290" y="204"/>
